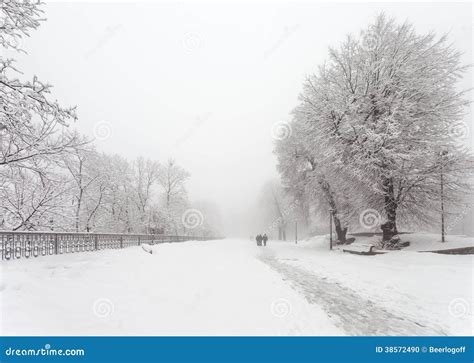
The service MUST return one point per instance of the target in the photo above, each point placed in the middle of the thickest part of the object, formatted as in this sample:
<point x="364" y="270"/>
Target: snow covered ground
<point x="412" y="293"/>
<point x="232" y="287"/>
<point x="192" y="288"/>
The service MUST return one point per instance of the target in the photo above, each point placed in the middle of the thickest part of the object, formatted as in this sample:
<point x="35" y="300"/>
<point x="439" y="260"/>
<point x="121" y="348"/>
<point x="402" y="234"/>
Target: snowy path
<point x="192" y="288"/>
<point x="355" y="314"/>
<point x="405" y="291"/>
<point x="232" y="287"/>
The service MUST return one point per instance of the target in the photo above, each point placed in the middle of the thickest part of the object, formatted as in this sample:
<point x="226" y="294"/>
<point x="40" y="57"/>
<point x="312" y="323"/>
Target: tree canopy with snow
<point x="52" y="177"/>
<point x="33" y="125"/>
<point x="376" y="127"/>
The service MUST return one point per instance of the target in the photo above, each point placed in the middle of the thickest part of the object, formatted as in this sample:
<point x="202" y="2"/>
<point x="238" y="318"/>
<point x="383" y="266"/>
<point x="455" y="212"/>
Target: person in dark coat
<point x="259" y="239"/>
<point x="265" y="239"/>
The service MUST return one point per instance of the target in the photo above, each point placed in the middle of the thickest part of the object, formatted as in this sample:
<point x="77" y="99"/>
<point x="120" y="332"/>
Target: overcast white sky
<point x="203" y="83"/>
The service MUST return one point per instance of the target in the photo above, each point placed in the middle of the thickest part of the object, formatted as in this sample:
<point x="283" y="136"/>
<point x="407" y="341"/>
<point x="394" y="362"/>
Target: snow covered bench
<point x="360" y="249"/>
<point x="147" y="248"/>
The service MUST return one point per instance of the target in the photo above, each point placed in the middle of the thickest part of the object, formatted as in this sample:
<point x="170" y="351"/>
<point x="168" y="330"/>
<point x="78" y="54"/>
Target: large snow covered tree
<point x="33" y="126"/>
<point x="304" y="173"/>
<point x="172" y="178"/>
<point x="146" y="176"/>
<point x="174" y="198"/>
<point x="85" y="168"/>
<point x="118" y="209"/>
<point x="383" y="107"/>
<point x="311" y="176"/>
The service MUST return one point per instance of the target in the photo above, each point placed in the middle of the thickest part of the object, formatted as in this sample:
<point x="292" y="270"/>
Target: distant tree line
<point x="53" y="178"/>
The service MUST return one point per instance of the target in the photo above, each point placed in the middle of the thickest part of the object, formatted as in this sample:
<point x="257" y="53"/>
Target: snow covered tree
<point x="174" y="199"/>
<point x="85" y="169"/>
<point x="146" y="175"/>
<point x="118" y="211"/>
<point x="384" y="104"/>
<point x="310" y="175"/>
<point x="33" y="201"/>
<point x="49" y="172"/>
<point x="33" y="127"/>
<point x="172" y="178"/>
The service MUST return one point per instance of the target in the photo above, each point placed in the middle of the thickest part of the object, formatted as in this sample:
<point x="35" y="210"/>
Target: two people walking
<point x="261" y="239"/>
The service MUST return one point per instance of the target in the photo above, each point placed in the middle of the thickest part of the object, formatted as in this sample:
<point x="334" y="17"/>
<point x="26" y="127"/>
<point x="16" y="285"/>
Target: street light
<point x="296" y="231"/>
<point x="442" y="154"/>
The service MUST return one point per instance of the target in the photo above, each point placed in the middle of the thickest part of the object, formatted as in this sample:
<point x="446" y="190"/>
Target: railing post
<point x="96" y="242"/>
<point x="139" y="240"/>
<point x="56" y="244"/>
<point x="121" y="241"/>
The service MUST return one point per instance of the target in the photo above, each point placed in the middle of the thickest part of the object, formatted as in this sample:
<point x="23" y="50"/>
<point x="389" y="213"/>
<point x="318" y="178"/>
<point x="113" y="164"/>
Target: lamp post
<point x="443" y="233"/>
<point x="296" y="231"/>
<point x="442" y="207"/>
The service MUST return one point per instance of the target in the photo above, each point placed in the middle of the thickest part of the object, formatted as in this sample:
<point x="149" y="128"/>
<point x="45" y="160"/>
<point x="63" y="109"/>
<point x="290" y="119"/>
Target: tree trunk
<point x="390" y="205"/>
<point x="340" y="231"/>
<point x="78" y="211"/>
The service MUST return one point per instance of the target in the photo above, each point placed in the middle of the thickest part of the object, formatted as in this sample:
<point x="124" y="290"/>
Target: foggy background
<point x="204" y="83"/>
